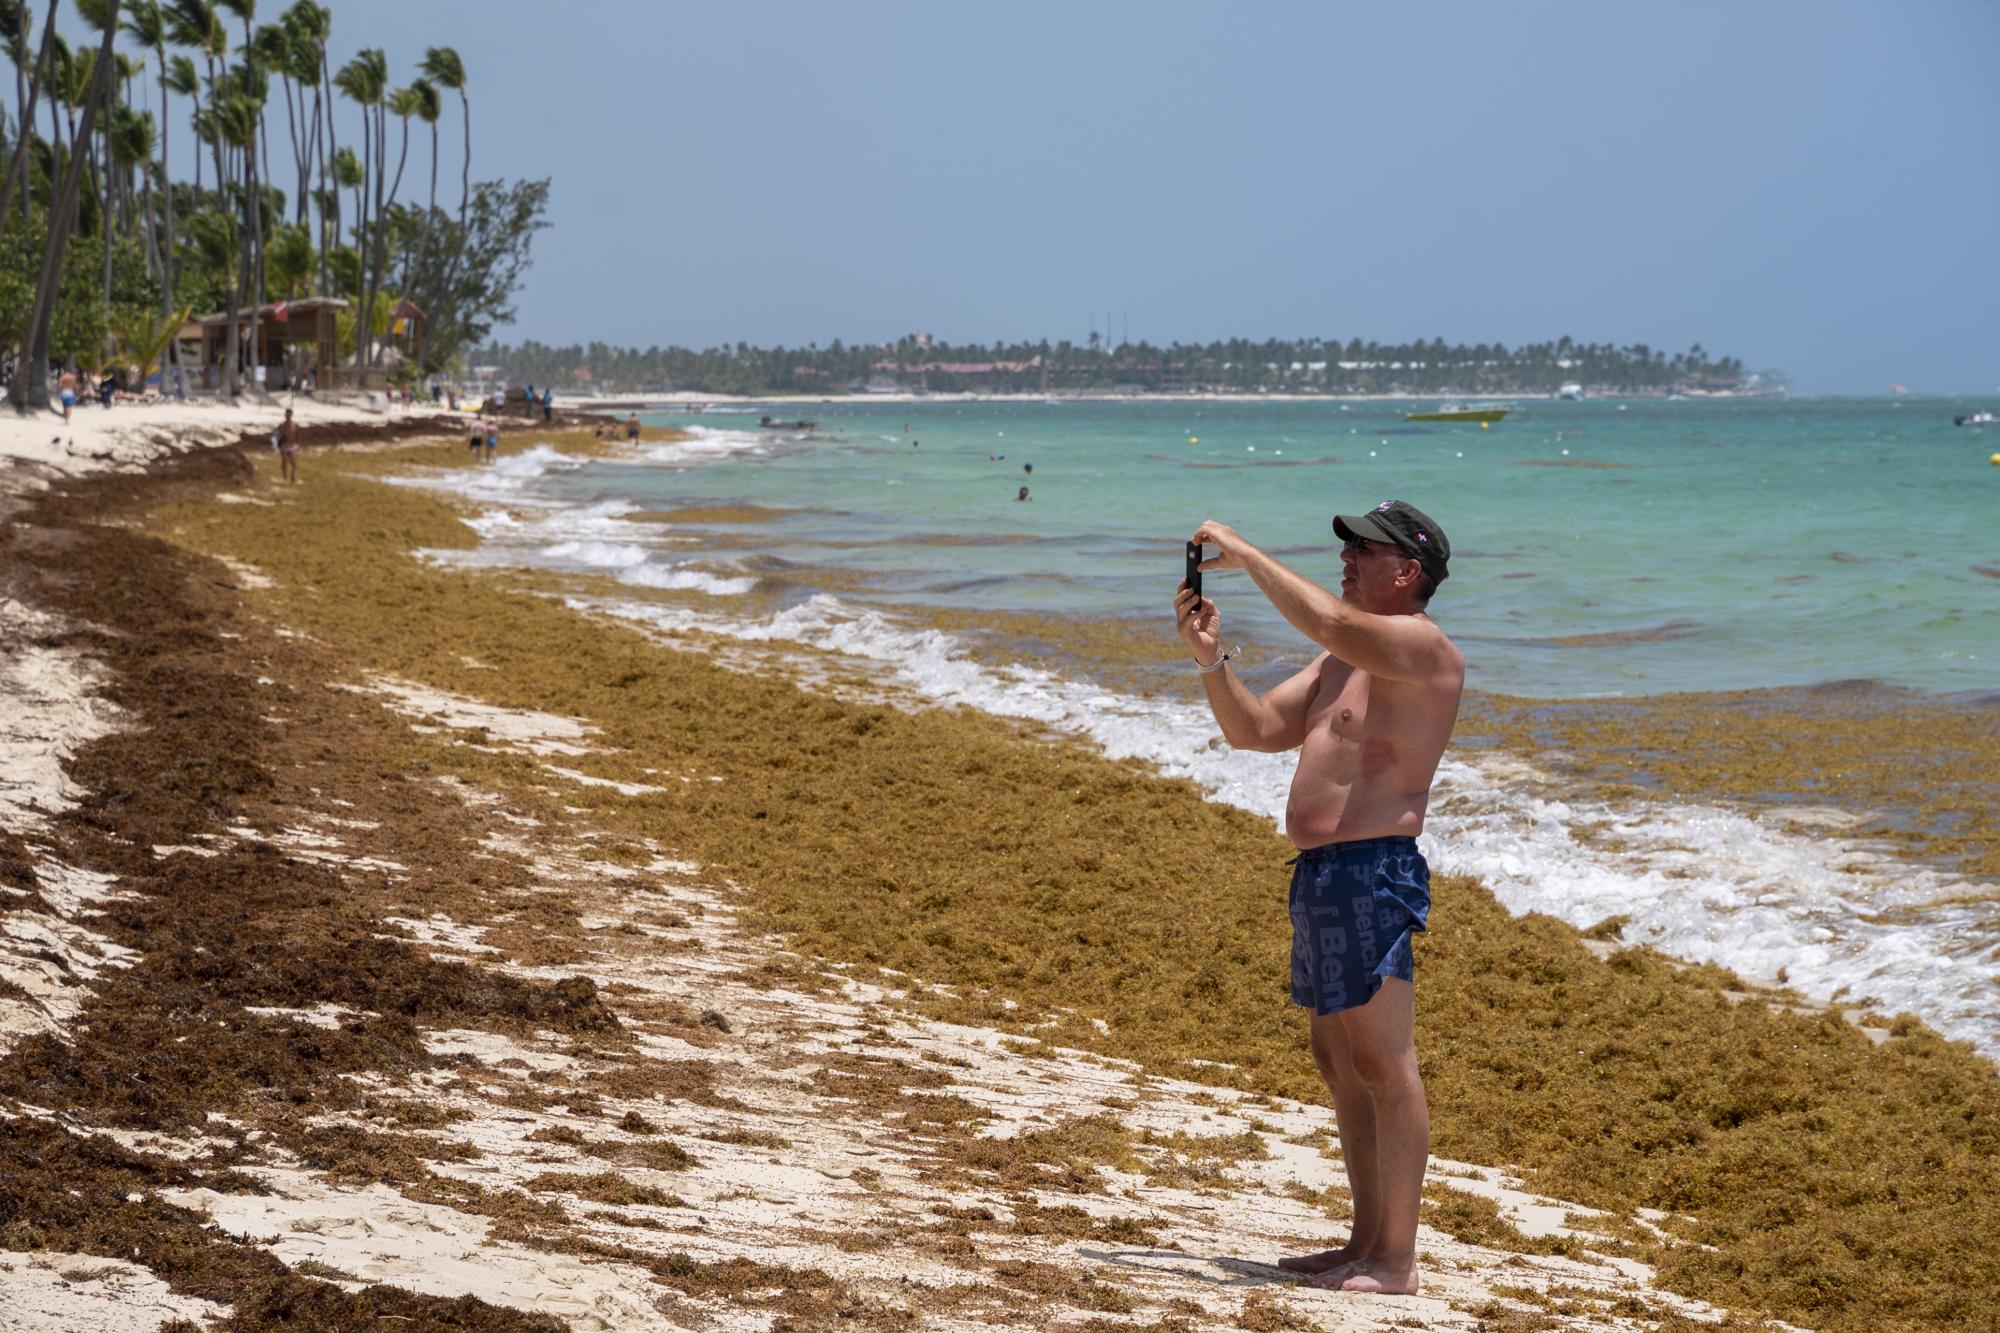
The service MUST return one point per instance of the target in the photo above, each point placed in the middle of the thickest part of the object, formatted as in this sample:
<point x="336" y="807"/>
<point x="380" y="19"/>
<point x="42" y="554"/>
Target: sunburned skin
<point x="1370" y="750"/>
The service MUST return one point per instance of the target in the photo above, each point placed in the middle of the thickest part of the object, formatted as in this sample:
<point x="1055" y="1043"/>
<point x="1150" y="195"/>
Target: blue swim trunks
<point x="1354" y="907"/>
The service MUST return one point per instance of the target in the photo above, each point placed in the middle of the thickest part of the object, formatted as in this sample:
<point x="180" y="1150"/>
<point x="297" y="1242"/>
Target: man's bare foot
<point x="1377" y="1278"/>
<point x="1323" y="1262"/>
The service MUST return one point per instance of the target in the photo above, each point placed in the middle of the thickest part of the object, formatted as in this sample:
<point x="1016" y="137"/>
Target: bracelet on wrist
<point x="1219" y="662"/>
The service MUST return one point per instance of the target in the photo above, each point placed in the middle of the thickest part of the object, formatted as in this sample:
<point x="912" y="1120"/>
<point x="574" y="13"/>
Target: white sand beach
<point x="130" y="435"/>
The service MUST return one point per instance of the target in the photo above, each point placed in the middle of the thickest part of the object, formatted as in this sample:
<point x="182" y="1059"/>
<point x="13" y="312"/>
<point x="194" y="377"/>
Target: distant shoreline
<point x="684" y="398"/>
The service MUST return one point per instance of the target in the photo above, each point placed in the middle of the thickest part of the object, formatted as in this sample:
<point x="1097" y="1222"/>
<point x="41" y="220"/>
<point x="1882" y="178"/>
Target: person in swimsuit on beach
<point x="632" y="428"/>
<point x="492" y="441"/>
<point x="288" y="447"/>
<point x="1370" y="718"/>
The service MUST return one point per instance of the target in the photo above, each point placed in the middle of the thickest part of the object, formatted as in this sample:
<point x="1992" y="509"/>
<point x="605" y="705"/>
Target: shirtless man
<point x="288" y="447"/>
<point x="1370" y="718"/>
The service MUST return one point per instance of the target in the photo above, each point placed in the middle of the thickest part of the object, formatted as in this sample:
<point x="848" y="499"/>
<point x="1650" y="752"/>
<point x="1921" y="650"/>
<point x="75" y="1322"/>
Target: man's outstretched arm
<point x="1391" y="647"/>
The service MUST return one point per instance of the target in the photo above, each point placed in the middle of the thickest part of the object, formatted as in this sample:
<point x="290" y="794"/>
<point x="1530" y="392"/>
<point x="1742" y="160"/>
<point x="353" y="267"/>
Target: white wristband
<point x="1219" y="662"/>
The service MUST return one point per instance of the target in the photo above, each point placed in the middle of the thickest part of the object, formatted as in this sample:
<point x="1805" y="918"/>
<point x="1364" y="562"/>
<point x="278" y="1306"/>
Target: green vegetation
<point x="1807" y="1172"/>
<point x="103" y="252"/>
<point x="1235" y="365"/>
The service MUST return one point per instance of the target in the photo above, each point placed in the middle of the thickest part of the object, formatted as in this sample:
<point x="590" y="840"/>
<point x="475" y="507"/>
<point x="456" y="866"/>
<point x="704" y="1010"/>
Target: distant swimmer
<point x="1024" y="494"/>
<point x="1370" y="719"/>
<point x="915" y="443"/>
<point x="1027" y="467"/>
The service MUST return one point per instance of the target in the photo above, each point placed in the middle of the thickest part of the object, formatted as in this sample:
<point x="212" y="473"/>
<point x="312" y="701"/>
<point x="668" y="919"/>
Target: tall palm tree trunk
<point x="324" y="95"/>
<point x="256" y="206"/>
<point x="414" y="269"/>
<point x="104" y="221"/>
<point x="17" y="169"/>
<point x="232" y="381"/>
<point x="167" y="199"/>
<point x="464" y="205"/>
<point x="381" y="240"/>
<point x="31" y="381"/>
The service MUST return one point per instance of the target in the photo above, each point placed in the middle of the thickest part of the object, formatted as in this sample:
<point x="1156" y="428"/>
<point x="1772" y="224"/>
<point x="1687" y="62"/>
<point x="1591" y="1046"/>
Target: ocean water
<point x="1600" y="548"/>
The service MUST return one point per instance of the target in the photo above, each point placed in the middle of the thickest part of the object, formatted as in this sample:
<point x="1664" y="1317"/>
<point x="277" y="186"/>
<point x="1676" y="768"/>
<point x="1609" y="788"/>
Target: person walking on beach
<point x="288" y="447"/>
<point x="492" y="440"/>
<point x="66" y="390"/>
<point x="1370" y="718"/>
<point x="632" y="428"/>
<point x="548" y="404"/>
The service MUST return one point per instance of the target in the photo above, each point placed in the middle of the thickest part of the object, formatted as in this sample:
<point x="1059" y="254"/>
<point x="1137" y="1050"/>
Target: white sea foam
<point x="603" y="555"/>
<point x="507" y="477"/>
<point x="1700" y="883"/>
<point x="541" y="521"/>
<point x="685" y="578"/>
<point x="706" y="444"/>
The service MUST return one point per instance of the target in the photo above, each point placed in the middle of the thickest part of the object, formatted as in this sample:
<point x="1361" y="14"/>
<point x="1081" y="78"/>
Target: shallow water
<point x="1600" y="547"/>
<point x="1728" y="545"/>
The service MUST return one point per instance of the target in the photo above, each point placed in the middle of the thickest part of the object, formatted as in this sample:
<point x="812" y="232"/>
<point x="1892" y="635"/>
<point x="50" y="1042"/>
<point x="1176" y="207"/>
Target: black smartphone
<point x="1194" y="569"/>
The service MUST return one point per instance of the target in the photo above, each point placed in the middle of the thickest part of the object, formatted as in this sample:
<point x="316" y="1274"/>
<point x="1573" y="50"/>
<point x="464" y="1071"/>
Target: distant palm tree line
<point x="1237" y="365"/>
<point x="103" y="252"/>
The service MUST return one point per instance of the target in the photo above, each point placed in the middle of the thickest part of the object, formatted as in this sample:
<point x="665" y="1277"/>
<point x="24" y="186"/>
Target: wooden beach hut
<point x="297" y="343"/>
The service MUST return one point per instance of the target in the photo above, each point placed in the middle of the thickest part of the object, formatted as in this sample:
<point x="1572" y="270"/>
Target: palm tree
<point x="254" y="85"/>
<point x="365" y="80"/>
<point x="403" y="103"/>
<point x="442" y="67"/>
<point x="31" y="383"/>
<point x="211" y="235"/>
<point x="17" y="46"/>
<point x="123" y="68"/>
<point x="288" y="261"/>
<point x="144" y="338"/>
<point x="196" y="24"/>
<point x="131" y="142"/>
<point x="240" y="119"/>
<point x="147" y="25"/>
<point x="310" y="25"/>
<point x="429" y="107"/>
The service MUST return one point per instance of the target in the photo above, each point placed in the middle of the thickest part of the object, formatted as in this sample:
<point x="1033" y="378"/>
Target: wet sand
<point x="541" y="970"/>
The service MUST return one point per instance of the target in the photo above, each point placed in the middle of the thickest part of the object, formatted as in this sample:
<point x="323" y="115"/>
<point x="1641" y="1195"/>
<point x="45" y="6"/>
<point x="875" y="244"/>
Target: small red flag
<point x="279" y="313"/>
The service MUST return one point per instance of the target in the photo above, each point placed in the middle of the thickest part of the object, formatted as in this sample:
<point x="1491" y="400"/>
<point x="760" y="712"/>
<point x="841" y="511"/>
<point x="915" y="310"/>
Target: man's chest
<point x="1342" y="703"/>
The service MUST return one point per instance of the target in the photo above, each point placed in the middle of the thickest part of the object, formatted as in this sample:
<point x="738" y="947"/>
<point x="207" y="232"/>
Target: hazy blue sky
<point x="1810" y="186"/>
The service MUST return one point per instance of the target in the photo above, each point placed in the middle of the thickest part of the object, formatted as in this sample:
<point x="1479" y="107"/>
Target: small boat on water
<point x="1571" y="392"/>
<point x="765" y="423"/>
<point x="1981" y="418"/>
<point x="1485" y="416"/>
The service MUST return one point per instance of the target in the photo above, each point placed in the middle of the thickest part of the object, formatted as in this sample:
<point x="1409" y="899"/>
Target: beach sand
<point x="391" y="942"/>
<point x="40" y="445"/>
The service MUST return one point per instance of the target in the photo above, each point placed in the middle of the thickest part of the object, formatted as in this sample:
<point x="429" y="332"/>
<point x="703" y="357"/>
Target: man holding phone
<point x="1370" y="718"/>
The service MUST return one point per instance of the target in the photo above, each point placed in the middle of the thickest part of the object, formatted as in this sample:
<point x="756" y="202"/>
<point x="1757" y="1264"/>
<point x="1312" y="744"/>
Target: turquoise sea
<point x="1600" y="547"/>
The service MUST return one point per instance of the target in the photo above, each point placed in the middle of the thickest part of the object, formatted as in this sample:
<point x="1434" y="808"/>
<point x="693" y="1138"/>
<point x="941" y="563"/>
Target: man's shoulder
<point x="1443" y="639"/>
